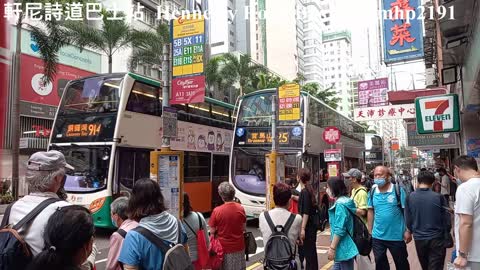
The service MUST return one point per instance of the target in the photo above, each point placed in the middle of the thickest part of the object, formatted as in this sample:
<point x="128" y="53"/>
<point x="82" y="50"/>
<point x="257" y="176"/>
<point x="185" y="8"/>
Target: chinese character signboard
<point x="402" y="27"/>
<point x="442" y="140"/>
<point x="438" y="114"/>
<point x="373" y="93"/>
<point x="188" y="80"/>
<point x="289" y="102"/>
<point x="404" y="111"/>
<point x="333" y="155"/>
<point x="331" y="135"/>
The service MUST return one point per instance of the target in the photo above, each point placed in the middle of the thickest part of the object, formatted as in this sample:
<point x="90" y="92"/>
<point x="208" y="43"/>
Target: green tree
<point x="327" y="95"/>
<point x="213" y="75"/>
<point x="114" y="35"/>
<point x="269" y="81"/>
<point x="240" y="70"/>
<point x="148" y="46"/>
<point x="300" y="79"/>
<point x="49" y="39"/>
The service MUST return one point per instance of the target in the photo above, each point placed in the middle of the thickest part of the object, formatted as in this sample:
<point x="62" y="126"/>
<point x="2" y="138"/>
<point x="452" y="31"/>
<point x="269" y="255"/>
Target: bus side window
<point x="144" y="99"/>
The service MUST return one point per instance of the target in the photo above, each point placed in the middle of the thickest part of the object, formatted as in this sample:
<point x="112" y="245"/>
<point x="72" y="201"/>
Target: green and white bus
<point x="106" y="126"/>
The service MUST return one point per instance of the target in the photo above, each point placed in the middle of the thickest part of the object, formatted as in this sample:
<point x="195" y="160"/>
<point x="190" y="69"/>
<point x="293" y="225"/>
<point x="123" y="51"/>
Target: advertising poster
<point x="37" y="98"/>
<point x="373" y="93"/>
<point x="473" y="149"/>
<point x="194" y="137"/>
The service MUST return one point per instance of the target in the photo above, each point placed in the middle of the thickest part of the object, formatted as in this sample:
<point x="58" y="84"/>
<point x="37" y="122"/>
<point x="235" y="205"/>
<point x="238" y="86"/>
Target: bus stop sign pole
<point x="166" y="88"/>
<point x="272" y="158"/>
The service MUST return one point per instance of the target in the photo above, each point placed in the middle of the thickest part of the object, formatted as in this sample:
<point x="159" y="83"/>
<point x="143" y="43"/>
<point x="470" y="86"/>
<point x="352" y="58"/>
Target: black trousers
<point x="431" y="253"/>
<point x="398" y="249"/>
<point x="309" y="249"/>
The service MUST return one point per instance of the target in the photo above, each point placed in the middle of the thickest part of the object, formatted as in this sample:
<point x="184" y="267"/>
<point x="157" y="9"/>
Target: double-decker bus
<point x="107" y="125"/>
<point x="300" y="141"/>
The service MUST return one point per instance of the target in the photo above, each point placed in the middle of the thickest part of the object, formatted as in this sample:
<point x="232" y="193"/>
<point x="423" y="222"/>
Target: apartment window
<point x="333" y="76"/>
<point x="333" y="68"/>
<point x="327" y="15"/>
<point x="339" y="75"/>
<point x="233" y="44"/>
<point x="232" y="33"/>
<point x="327" y="23"/>
<point x="331" y="44"/>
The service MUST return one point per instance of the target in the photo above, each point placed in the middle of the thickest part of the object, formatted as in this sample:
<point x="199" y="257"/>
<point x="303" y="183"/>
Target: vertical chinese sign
<point x="403" y="35"/>
<point x="289" y="102"/>
<point x="188" y="79"/>
<point x="373" y="93"/>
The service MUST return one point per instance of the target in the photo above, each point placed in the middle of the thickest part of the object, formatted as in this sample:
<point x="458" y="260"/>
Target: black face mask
<point x="61" y="193"/>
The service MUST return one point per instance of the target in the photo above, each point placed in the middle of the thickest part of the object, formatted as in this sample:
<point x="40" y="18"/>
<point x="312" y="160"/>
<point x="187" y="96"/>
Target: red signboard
<point x="331" y="135"/>
<point x="187" y="90"/>
<point x="32" y="89"/>
<point x="39" y="99"/>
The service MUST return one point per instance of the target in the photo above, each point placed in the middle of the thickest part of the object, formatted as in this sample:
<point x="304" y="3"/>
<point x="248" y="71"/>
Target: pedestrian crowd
<point x="368" y="216"/>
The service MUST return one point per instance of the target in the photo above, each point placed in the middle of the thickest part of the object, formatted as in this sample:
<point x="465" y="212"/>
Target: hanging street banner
<point x="289" y="102"/>
<point x="188" y="78"/>
<point x="440" y="140"/>
<point x="372" y="93"/>
<point x="438" y="114"/>
<point x="402" y="30"/>
<point x="391" y="112"/>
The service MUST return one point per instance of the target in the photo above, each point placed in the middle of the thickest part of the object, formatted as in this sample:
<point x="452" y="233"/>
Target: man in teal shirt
<point x="386" y="221"/>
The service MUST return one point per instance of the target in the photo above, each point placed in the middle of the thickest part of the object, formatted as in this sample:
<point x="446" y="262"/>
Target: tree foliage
<point x="114" y="35"/>
<point x="148" y="46"/>
<point x="328" y="96"/>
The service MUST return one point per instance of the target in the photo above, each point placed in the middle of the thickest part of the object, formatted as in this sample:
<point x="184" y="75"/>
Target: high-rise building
<point x="312" y="41"/>
<point x="337" y="67"/>
<point x="232" y="25"/>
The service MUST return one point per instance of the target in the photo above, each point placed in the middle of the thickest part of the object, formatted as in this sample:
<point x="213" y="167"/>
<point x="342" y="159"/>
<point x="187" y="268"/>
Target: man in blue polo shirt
<point x="386" y="221"/>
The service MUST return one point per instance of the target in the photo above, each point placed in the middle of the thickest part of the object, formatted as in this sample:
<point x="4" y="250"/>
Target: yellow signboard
<point x="289" y="102"/>
<point x="188" y="45"/>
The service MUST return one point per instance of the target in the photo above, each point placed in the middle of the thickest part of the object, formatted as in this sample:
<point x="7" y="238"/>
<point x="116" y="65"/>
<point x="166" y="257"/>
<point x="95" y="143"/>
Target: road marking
<point x="328" y="265"/>
<point x="251" y="267"/>
<point x="100" y="261"/>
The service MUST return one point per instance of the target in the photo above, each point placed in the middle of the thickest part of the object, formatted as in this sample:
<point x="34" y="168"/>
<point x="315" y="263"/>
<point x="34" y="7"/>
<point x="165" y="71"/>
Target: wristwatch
<point x="462" y="254"/>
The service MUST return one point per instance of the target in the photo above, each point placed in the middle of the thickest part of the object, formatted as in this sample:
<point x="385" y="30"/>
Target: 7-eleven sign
<point x="437" y="114"/>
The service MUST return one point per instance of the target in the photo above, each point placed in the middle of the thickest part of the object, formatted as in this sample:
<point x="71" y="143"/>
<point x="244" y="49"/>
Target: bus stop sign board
<point x="289" y="102"/>
<point x="188" y="80"/>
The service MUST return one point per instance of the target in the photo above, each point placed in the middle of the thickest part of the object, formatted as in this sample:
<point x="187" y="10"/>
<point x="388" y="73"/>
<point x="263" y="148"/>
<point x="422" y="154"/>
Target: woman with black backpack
<point x="342" y="248"/>
<point x="307" y="205"/>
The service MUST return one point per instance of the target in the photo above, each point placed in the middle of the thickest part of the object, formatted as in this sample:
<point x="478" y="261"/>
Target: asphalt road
<point x="102" y="242"/>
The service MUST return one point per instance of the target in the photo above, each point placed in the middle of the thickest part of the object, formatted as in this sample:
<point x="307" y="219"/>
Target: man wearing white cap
<point x="45" y="176"/>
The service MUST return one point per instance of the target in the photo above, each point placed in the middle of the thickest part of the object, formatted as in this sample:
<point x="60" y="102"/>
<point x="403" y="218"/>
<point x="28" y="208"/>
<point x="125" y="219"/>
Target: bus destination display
<point x="266" y="137"/>
<point x="83" y="130"/>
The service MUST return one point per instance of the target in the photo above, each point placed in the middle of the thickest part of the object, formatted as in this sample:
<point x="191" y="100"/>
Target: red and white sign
<point x="331" y="135"/>
<point x="32" y="89"/>
<point x="186" y="90"/>
<point x="404" y="111"/>
<point x="332" y="155"/>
